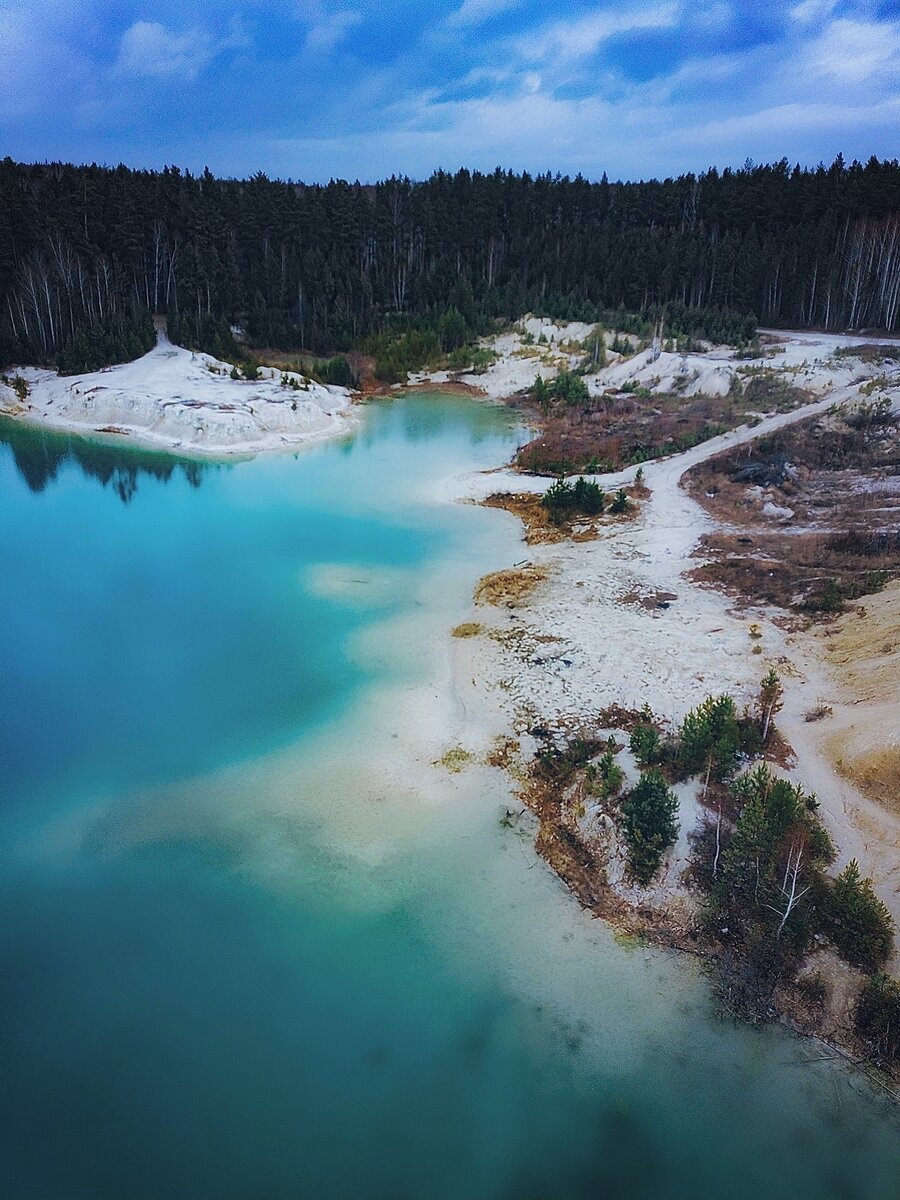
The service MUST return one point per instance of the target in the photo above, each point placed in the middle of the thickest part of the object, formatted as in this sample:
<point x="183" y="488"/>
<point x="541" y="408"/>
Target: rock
<point x="777" y="510"/>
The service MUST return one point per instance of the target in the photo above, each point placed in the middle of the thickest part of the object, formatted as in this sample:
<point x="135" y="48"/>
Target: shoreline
<point x="138" y="439"/>
<point x="184" y="403"/>
<point x="574" y="645"/>
<point x="660" y="657"/>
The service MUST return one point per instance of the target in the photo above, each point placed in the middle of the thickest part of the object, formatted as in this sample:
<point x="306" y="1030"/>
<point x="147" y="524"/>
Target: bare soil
<point x="811" y="515"/>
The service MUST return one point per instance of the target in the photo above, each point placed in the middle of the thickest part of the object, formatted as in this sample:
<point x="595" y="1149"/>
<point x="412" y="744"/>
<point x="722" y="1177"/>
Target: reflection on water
<point x="39" y="454"/>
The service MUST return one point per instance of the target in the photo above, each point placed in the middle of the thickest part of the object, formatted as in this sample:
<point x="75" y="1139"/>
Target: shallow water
<point x="249" y="950"/>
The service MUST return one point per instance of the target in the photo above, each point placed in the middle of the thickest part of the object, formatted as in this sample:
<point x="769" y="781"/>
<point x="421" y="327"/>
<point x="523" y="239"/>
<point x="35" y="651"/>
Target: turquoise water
<point x="244" y="953"/>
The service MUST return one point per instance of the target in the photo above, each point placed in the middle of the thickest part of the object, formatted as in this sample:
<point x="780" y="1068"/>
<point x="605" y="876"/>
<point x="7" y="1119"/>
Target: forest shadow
<point x="40" y="455"/>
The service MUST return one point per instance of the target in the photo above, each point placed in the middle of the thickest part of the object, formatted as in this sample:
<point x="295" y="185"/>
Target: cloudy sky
<point x="310" y="89"/>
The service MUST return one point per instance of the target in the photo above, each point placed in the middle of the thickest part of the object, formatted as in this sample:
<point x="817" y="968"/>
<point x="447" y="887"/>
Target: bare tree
<point x="791" y="892"/>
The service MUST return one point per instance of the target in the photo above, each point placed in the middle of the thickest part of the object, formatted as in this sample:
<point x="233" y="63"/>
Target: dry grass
<point x="649" y="600"/>
<point x="842" y="486"/>
<point x="503" y="753"/>
<point x="468" y="629"/>
<point x="876" y="773"/>
<point x="619" y="428"/>
<point x="510" y="587"/>
<point x="863" y="653"/>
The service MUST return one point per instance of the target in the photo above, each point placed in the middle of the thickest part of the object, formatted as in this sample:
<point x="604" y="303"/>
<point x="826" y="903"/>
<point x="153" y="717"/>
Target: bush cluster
<point x="650" y="823"/>
<point x="563" y="499"/>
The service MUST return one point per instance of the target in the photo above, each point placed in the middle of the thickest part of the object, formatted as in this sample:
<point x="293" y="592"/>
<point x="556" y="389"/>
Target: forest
<point x="88" y="252"/>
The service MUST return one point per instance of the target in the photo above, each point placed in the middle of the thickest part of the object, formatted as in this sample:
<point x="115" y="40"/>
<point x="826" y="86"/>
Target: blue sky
<point x="310" y="89"/>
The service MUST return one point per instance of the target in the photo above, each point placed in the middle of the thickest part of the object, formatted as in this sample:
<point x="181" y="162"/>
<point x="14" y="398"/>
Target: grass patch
<point x="468" y="629"/>
<point x="454" y="760"/>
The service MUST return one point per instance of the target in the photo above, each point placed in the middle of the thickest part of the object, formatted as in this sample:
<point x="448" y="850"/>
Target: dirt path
<point x="576" y="644"/>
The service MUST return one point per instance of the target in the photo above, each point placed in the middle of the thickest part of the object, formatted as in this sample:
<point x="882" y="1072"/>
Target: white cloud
<point x="330" y="29"/>
<point x="851" y="51"/>
<point x="569" y="41"/>
<point x="148" y="49"/>
<point x="787" y="120"/>
<point x="810" y="11"/>
<point x="474" y="12"/>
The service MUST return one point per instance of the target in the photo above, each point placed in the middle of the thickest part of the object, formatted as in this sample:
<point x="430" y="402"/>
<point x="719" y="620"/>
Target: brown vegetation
<point x="509" y="587"/>
<point x="542" y="527"/>
<point x="468" y="629"/>
<point x="620" y="428"/>
<point x="822" y="499"/>
<point x="863" y="733"/>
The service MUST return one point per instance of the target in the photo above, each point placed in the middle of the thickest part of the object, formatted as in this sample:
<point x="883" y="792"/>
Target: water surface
<point x="246" y="951"/>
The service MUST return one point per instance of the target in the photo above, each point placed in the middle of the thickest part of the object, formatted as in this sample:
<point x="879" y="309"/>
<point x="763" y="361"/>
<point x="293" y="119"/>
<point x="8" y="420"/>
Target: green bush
<point x="645" y="744"/>
<point x="710" y="739"/>
<point x="650" y="816"/>
<point x="18" y="385"/>
<point x="212" y="335"/>
<point x="770" y="868"/>
<point x="116" y="341"/>
<point x="877" y="1016"/>
<point x="606" y="777"/>
<point x="570" y="389"/>
<point x="471" y="358"/>
<point x="856" y="921"/>
<point x="564" y="499"/>
<point x="336" y="371"/>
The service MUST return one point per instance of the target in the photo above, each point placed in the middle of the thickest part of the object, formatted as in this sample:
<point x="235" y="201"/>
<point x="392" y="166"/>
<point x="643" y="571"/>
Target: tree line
<point x="324" y="268"/>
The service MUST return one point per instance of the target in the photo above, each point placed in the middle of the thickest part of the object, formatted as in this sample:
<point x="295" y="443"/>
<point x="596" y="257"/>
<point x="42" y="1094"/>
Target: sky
<point x="364" y="89"/>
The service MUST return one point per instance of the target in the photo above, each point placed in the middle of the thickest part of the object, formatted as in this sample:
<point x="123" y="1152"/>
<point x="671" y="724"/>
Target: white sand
<point x="178" y="400"/>
<point x="574" y="647"/>
<point x="805" y="359"/>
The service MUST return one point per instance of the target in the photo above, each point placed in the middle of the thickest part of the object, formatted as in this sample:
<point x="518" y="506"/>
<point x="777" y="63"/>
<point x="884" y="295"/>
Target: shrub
<point x="856" y="921"/>
<point x="620" y="501"/>
<point x="607" y="777"/>
<point x="831" y="599"/>
<point x="335" y="371"/>
<point x="813" y="988"/>
<point x="770" y="865"/>
<point x="864" y="416"/>
<point x="650" y="813"/>
<point x="710" y="739"/>
<point x="388" y="369"/>
<point x="595" y="345"/>
<point x="570" y="389"/>
<point x="473" y="358"/>
<point x="877" y="1016"/>
<point x="563" y="499"/>
<point x="18" y="385"/>
<point x="771" y="695"/>
<point x="115" y="341"/>
<point x="645" y="744"/>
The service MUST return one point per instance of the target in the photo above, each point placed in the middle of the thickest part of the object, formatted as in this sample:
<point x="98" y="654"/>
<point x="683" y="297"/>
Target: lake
<point x="255" y="943"/>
